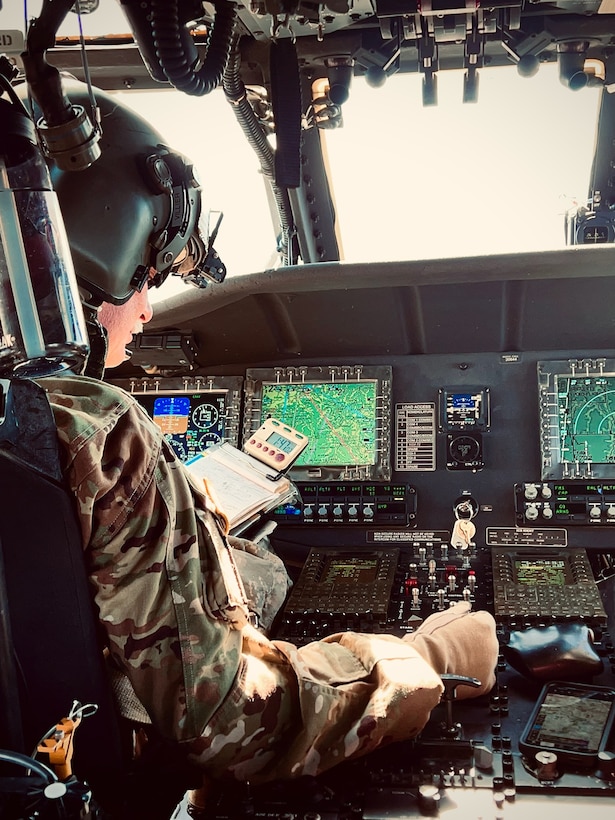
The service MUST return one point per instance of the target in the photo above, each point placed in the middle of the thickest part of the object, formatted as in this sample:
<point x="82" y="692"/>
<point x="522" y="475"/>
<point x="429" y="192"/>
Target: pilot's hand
<point x="460" y="642"/>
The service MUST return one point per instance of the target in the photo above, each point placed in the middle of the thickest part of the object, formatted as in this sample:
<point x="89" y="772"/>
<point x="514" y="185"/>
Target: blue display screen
<point x="190" y="422"/>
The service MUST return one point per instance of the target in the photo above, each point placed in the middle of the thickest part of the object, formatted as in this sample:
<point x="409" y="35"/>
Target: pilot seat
<point x="51" y="651"/>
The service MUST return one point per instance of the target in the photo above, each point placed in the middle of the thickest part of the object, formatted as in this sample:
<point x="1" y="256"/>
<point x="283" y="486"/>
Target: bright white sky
<point x="459" y="179"/>
<point x="410" y="182"/>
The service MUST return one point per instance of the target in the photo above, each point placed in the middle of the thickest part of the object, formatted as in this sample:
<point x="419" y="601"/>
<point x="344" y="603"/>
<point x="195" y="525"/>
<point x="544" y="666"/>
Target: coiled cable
<point x="177" y="55"/>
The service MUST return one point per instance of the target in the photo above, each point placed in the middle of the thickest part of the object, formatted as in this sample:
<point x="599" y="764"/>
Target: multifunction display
<point x="577" y="418"/>
<point x="532" y="584"/>
<point x="192" y="412"/>
<point x="339" y="418"/>
<point x="344" y="411"/>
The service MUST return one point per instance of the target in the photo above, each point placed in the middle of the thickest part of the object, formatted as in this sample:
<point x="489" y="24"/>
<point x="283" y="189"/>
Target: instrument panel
<point x="468" y="485"/>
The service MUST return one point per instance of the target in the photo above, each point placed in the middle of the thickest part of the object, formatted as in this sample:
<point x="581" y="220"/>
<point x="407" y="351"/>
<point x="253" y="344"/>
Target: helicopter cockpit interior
<point x="458" y="405"/>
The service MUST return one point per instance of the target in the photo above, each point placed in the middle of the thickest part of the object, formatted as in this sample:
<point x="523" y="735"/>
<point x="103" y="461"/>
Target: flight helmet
<point x="133" y="215"/>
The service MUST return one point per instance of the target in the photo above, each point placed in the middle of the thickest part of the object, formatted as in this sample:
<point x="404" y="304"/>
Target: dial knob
<point x="531" y="512"/>
<point x="546" y="766"/>
<point x="606" y="766"/>
<point x="428" y="798"/>
<point x="531" y="492"/>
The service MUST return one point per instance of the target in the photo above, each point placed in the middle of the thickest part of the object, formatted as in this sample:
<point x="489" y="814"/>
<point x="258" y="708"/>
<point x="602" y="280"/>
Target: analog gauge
<point x="205" y="416"/>
<point x="464" y="449"/>
<point x="205" y="440"/>
<point x="178" y="446"/>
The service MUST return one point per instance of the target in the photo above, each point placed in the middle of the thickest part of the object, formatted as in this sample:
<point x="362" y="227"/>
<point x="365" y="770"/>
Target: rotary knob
<point x="428" y="798"/>
<point x="531" y="492"/>
<point x="546" y="766"/>
<point x="531" y="512"/>
<point x="606" y="766"/>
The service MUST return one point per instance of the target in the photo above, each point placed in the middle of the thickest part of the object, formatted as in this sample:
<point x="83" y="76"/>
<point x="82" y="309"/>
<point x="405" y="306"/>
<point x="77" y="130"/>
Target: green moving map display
<point x="587" y="419"/>
<point x="339" y="418"/>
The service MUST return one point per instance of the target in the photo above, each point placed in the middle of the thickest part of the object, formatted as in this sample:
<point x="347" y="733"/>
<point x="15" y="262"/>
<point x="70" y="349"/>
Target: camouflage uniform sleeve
<point x="264" y="577"/>
<point x="164" y="582"/>
<point x="331" y="701"/>
<point x="343" y="696"/>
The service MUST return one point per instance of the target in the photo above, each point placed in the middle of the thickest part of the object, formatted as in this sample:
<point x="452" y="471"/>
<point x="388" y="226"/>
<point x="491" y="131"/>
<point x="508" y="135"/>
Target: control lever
<point x="451" y="682"/>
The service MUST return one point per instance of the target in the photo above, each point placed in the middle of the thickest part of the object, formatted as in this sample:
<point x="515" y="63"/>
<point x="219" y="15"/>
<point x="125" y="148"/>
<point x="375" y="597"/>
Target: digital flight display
<point x="344" y="411"/>
<point x="339" y="418"/>
<point x="577" y="416"/>
<point x="190" y="422"/>
<point x="464" y="409"/>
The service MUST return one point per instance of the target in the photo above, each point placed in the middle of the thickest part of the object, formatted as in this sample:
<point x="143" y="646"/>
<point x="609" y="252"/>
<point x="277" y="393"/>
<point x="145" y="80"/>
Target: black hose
<point x="44" y="79"/>
<point x="235" y="92"/>
<point x="177" y="54"/>
<point x="17" y="759"/>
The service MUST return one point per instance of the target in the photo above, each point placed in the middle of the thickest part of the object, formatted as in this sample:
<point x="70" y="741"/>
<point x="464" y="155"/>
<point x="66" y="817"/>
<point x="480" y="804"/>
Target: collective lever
<point x="451" y="682"/>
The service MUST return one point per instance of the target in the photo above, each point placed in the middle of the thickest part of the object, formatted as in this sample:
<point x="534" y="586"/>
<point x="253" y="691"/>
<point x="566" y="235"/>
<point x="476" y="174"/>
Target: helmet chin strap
<point x="95" y="364"/>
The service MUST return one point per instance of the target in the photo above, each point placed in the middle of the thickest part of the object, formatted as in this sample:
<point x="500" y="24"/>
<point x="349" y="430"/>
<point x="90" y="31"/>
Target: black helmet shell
<point x="135" y="208"/>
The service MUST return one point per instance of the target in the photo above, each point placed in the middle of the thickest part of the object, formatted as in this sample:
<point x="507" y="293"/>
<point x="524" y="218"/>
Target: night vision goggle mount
<point x="179" y="246"/>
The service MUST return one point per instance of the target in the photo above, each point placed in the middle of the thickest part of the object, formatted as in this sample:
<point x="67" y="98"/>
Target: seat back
<point x="50" y="648"/>
<point x="48" y="610"/>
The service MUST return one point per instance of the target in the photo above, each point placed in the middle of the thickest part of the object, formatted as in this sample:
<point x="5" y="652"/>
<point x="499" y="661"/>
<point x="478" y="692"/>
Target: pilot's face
<point x="122" y="322"/>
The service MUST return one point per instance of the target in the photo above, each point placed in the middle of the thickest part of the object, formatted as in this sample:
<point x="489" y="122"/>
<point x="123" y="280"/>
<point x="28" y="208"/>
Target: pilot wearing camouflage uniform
<point x="177" y="597"/>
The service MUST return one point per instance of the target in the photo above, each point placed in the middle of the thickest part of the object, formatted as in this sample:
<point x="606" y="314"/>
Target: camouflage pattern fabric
<point x="264" y="577"/>
<point x="176" y="614"/>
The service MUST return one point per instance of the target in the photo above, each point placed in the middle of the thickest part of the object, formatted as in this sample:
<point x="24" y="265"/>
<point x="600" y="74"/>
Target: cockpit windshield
<point x="408" y="180"/>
